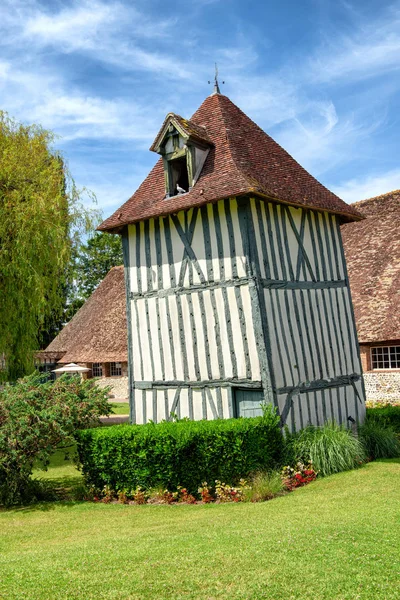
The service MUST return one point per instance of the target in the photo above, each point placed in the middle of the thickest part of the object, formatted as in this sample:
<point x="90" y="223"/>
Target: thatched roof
<point x="98" y="331"/>
<point x="372" y="249"/>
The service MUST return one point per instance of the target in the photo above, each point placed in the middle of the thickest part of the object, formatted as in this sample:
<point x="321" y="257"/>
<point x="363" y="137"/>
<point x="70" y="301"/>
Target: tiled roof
<point x="372" y="249"/>
<point x="244" y="160"/>
<point x="98" y="331"/>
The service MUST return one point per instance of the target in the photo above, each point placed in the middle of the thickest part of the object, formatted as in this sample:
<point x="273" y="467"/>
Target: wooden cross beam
<point x="187" y="238"/>
<point x="302" y="254"/>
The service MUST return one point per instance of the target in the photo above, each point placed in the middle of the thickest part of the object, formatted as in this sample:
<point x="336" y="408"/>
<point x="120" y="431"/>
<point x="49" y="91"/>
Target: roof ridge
<point x="358" y="202"/>
<point x="219" y="98"/>
<point x="277" y="144"/>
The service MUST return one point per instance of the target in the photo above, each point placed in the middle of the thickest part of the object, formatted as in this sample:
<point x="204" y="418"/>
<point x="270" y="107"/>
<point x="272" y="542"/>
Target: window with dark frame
<point x="179" y="176"/>
<point x="385" y="357"/>
<point x="115" y="369"/>
<point x="97" y="370"/>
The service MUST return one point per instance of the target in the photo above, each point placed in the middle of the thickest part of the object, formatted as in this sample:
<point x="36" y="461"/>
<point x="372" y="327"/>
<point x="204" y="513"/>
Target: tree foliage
<point x="101" y="252"/>
<point x="41" y="218"/>
<point x="35" y="417"/>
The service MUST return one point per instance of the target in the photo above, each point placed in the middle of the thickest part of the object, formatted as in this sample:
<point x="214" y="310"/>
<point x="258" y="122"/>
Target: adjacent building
<point x="96" y="337"/>
<point x="372" y="248"/>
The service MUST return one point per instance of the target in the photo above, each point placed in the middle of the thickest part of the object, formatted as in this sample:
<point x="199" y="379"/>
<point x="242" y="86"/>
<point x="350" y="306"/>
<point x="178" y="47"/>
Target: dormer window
<point x="184" y="147"/>
<point x="179" y="176"/>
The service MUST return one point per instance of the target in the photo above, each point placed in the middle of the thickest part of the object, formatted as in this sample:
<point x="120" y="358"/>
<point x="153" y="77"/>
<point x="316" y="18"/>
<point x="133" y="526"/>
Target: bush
<point x="330" y="448"/>
<point x="35" y="417"/>
<point x="387" y="416"/>
<point x="179" y="454"/>
<point x="379" y="440"/>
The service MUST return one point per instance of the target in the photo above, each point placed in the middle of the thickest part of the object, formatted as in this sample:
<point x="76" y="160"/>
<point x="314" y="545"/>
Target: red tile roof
<point x="372" y="249"/>
<point x="244" y="160"/>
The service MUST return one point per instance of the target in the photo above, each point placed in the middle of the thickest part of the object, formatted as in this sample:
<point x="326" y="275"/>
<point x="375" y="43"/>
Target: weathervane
<point x="216" y="85"/>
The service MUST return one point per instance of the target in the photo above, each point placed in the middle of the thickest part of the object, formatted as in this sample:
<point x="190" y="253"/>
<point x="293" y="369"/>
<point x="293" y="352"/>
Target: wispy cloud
<point x="46" y="99"/>
<point x="107" y="71"/>
<point x="372" y="50"/>
<point x="320" y="140"/>
<point x="112" y="33"/>
<point x="370" y="186"/>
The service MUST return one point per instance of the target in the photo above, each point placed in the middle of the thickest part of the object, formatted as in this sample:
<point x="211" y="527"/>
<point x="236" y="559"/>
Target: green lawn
<point x="120" y="408"/>
<point x="336" y="538"/>
<point x="62" y="474"/>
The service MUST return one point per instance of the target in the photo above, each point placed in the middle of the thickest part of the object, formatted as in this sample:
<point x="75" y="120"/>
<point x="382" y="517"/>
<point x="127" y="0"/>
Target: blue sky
<point x="320" y="76"/>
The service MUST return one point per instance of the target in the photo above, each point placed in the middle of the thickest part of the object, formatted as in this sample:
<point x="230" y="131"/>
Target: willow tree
<point x="41" y="218"/>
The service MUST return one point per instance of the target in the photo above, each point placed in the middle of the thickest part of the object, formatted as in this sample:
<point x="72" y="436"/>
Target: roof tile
<point x="98" y="331"/>
<point x="244" y="160"/>
<point x="372" y="249"/>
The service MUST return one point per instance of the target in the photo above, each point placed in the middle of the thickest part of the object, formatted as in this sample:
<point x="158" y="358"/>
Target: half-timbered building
<point x="236" y="283"/>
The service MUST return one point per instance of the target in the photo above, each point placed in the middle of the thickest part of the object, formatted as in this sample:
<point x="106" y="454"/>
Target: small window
<point x="385" y="357"/>
<point x="115" y="369"/>
<point x="97" y="370"/>
<point x="179" y="179"/>
<point x="248" y="402"/>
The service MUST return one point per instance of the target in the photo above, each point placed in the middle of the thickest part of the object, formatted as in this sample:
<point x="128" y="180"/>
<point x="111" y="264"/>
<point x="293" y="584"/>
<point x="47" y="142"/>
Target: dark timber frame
<point x="291" y="266"/>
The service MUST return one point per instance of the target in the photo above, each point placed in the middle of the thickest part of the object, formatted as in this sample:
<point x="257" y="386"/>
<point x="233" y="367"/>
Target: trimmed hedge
<point x="179" y="454"/>
<point x="387" y="416"/>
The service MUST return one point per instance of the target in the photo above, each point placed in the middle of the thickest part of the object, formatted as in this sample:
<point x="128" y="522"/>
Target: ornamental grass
<point x="330" y="449"/>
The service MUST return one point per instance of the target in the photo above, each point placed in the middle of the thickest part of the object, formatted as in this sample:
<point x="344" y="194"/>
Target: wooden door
<point x="248" y="402"/>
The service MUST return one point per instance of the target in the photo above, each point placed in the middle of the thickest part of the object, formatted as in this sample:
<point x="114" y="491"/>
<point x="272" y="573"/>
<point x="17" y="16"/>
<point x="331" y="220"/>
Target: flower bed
<point x="218" y="493"/>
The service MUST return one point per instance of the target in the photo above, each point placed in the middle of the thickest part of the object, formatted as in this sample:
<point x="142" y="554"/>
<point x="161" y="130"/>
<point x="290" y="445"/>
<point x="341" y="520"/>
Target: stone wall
<point x="119" y="386"/>
<point x="382" y="385"/>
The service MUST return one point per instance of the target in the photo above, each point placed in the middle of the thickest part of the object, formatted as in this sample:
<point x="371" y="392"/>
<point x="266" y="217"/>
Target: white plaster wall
<point x="177" y="333"/>
<point x="194" y="403"/>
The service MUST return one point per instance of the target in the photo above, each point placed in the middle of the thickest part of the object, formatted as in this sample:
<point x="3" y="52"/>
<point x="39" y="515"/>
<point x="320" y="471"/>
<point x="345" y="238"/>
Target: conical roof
<point x="242" y="160"/>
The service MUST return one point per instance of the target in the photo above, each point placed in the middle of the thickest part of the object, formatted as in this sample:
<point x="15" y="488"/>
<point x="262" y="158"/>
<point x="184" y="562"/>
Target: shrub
<point x="263" y="486"/>
<point x="35" y="417"/>
<point x="379" y="440"/>
<point x="387" y="416"/>
<point x="179" y="454"/>
<point x="330" y="448"/>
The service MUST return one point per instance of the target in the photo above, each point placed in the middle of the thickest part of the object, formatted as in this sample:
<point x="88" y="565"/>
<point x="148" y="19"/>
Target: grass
<point x="337" y="538"/>
<point x="120" y="408"/>
<point x="62" y="476"/>
<point x="264" y="486"/>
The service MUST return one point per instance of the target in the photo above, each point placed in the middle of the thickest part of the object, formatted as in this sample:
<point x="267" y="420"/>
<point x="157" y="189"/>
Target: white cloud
<point x="46" y="99"/>
<point x="111" y="33"/>
<point x="368" y="187"/>
<point x="72" y="28"/>
<point x="372" y="50"/>
<point x="124" y="44"/>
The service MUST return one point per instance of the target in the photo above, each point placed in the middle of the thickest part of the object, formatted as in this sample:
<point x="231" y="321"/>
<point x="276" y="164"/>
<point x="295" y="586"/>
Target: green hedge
<point x="184" y="453"/>
<point x="387" y="416"/>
